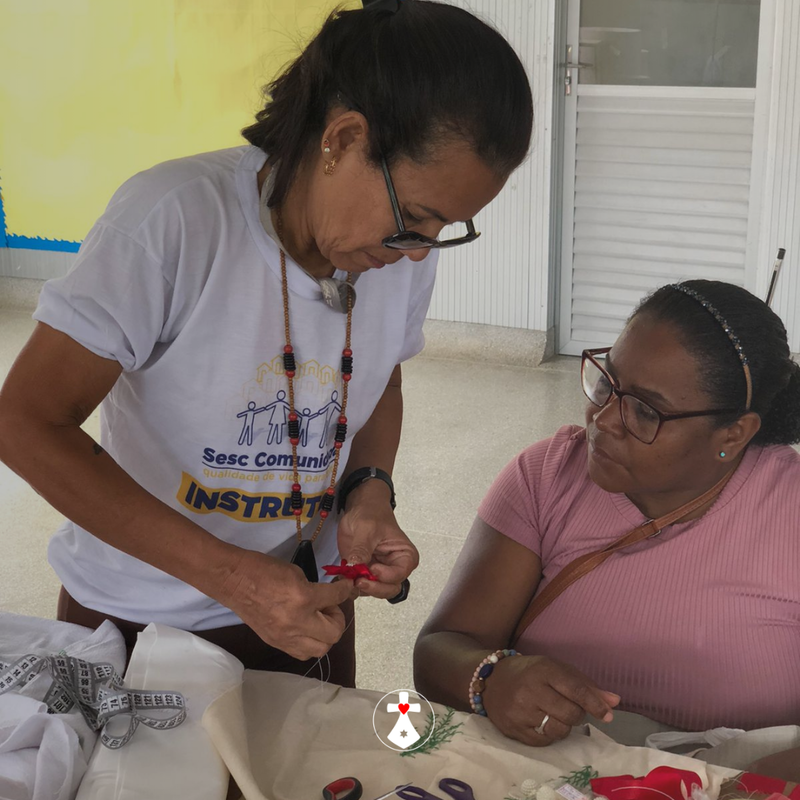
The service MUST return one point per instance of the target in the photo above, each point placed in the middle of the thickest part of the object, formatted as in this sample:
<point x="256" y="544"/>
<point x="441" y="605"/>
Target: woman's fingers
<point x="560" y="708"/>
<point x="326" y="623"/>
<point x="612" y="698"/>
<point x="377" y="589"/>
<point x="553" y="719"/>
<point x="305" y="647"/>
<point x="552" y="730"/>
<point x="327" y="595"/>
<point x="538" y="701"/>
<point x="324" y="626"/>
<point x="392" y="562"/>
<point x="582" y="692"/>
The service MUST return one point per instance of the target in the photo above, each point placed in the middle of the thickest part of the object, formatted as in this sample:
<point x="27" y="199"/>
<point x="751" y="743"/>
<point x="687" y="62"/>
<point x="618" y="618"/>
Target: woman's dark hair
<point x="420" y="75"/>
<point x="762" y="336"/>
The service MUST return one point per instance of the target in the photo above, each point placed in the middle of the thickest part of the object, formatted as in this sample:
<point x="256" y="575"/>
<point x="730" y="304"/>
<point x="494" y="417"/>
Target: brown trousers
<point x="240" y="641"/>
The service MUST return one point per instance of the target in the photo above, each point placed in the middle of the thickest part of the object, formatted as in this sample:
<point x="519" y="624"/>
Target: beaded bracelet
<point x="478" y="682"/>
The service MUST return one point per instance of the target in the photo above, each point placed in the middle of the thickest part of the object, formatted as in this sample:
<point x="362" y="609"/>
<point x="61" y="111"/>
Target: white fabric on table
<point x="722" y="747"/>
<point x="177" y="763"/>
<point x="284" y="737"/>
<point x="43" y="756"/>
<point x="40" y="755"/>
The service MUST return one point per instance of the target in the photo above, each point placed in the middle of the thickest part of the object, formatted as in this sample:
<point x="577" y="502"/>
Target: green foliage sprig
<point x="435" y="737"/>
<point x="580" y="777"/>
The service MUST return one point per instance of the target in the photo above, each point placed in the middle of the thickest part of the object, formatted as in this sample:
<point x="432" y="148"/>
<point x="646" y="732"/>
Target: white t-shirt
<point x="179" y="283"/>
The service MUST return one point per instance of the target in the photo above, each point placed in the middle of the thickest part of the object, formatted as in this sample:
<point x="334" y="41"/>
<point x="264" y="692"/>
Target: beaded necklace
<point x="304" y="554"/>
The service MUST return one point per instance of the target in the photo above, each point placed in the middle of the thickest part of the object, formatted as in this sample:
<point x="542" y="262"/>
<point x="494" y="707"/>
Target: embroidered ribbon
<point x="353" y="572"/>
<point x="660" y="783"/>
<point x="98" y="693"/>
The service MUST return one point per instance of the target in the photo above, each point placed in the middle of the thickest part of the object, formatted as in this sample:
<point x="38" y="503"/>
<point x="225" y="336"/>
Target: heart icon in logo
<point x="403" y="707"/>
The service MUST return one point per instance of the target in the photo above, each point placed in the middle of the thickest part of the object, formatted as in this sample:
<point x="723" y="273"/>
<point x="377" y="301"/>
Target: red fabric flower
<point x="354" y="573"/>
<point x="662" y="783"/>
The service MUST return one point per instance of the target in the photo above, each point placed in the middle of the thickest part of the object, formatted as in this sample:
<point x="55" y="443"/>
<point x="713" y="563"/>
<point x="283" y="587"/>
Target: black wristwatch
<point x="362" y="475"/>
<point x="405" y="586"/>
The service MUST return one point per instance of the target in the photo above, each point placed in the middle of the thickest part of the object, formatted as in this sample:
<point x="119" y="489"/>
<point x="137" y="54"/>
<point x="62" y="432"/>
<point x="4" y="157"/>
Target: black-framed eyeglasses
<point x="640" y="419"/>
<point x="411" y="240"/>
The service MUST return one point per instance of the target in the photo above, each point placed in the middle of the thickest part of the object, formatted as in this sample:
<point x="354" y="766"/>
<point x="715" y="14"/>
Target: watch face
<point x="405" y="587"/>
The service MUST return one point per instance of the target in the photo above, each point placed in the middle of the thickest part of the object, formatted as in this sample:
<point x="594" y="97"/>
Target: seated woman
<point x="695" y="627"/>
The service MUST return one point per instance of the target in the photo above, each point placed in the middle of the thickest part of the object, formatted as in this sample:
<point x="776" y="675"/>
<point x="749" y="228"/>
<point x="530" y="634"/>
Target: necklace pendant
<point x="335" y="293"/>
<point x="304" y="558"/>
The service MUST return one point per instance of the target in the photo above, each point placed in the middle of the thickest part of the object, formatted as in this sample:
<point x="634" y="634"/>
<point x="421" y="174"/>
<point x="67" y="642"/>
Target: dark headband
<point x="687" y="290"/>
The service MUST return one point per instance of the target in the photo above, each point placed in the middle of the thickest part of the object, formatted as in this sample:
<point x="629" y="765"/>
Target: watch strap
<point x="362" y="475"/>
<point x="402" y="595"/>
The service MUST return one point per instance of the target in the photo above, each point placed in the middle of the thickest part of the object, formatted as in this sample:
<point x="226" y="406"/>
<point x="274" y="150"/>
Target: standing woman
<point x="212" y="312"/>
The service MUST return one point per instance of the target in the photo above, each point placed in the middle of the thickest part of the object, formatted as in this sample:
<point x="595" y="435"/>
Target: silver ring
<point x="540" y="729"/>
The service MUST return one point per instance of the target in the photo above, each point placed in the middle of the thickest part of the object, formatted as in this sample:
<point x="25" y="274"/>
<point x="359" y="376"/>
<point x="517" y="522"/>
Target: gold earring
<point x="330" y="166"/>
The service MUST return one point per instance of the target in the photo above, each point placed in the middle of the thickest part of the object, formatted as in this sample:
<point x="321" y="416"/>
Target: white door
<point x="658" y="148"/>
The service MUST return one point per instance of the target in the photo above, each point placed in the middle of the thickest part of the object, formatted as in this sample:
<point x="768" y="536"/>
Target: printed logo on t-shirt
<point x="259" y="451"/>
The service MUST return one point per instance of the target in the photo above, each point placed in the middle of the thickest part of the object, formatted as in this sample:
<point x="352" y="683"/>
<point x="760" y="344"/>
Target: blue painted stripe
<point x="38" y="243"/>
<point x="31" y="242"/>
<point x="2" y="220"/>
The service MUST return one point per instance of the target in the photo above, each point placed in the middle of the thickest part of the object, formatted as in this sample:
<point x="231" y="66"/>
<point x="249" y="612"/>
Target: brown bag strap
<point x="584" y="564"/>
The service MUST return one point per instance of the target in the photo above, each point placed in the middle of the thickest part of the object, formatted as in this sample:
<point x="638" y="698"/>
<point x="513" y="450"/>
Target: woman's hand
<point x="523" y="689"/>
<point x="369" y="534"/>
<point x="274" y="598"/>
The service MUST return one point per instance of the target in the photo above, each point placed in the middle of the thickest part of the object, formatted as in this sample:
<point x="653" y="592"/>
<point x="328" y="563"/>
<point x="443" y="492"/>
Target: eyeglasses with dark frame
<point x="411" y="240"/>
<point x="640" y="419"/>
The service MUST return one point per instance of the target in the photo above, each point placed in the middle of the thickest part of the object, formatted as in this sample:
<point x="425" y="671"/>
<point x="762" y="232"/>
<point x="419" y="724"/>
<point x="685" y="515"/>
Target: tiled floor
<point x="463" y="422"/>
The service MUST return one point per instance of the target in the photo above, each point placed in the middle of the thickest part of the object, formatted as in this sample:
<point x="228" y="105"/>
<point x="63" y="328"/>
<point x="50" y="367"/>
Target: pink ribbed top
<point x="697" y="628"/>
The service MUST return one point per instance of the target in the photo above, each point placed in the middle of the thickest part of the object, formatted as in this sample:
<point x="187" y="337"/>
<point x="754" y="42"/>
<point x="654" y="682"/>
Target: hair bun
<point x="782" y="423"/>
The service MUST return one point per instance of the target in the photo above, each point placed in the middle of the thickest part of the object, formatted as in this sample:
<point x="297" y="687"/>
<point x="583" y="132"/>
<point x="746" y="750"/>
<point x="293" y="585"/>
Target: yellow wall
<point x="91" y="91"/>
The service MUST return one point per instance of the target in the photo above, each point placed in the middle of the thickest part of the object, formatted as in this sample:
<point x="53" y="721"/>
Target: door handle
<point x="568" y="66"/>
